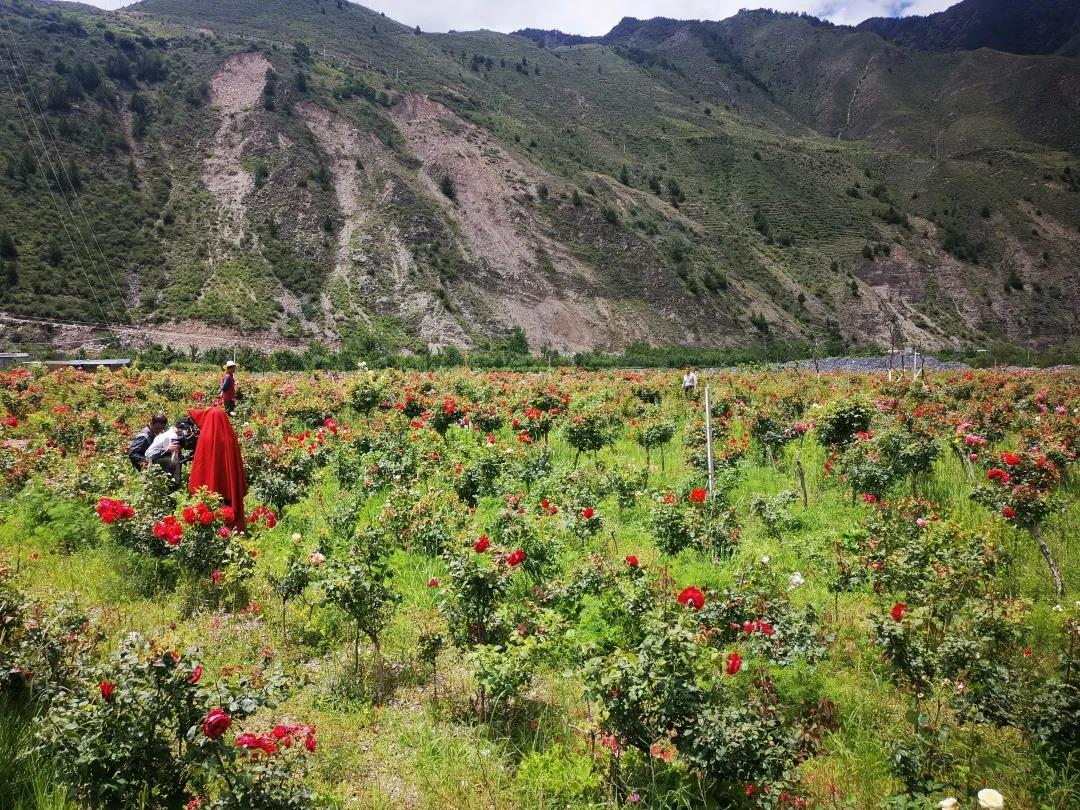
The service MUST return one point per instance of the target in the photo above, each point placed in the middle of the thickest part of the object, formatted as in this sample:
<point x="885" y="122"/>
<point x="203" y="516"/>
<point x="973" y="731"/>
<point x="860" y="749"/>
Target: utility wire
<point x="14" y="48"/>
<point x="59" y="211"/>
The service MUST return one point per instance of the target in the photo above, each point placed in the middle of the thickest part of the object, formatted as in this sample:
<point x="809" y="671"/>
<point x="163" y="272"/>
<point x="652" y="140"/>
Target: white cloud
<point x="598" y="16"/>
<point x="110" y="4"/>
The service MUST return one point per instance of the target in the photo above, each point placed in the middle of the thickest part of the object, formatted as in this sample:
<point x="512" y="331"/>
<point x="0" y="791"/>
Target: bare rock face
<point x="235" y="91"/>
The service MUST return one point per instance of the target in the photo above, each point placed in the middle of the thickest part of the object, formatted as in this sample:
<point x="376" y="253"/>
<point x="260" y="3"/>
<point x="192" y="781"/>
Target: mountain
<point x="1029" y="27"/>
<point x="276" y="172"/>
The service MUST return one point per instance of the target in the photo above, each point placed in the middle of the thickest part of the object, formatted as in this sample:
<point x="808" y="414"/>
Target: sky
<point x="594" y="17"/>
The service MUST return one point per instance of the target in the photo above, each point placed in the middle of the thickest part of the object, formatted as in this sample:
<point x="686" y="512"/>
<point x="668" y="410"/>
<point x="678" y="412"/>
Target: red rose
<point x="481" y="545"/>
<point x="196" y="675"/>
<point x="998" y="475"/>
<point x="1008" y="513"/>
<point x="698" y="495"/>
<point x="631" y="560"/>
<point x="734" y="663"/>
<point x="107" y="688"/>
<point x="189" y="515"/>
<point x="216" y="723"/>
<point x="692" y="597"/>
<point x="587" y="513"/>
<point x="516" y="558"/>
<point x="433" y="583"/>
<point x="1010" y="458"/>
<point x="898" y="611"/>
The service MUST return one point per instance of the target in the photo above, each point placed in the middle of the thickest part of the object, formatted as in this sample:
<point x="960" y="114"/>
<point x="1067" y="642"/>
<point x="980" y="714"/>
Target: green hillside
<point x="711" y="184"/>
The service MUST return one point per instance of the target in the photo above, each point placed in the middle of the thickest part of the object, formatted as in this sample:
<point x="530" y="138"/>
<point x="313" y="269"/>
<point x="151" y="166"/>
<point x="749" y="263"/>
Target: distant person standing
<point x="227" y="393"/>
<point x="689" y="383"/>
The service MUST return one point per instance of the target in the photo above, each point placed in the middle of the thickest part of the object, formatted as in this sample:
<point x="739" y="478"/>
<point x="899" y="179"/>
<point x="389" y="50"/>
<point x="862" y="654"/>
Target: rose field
<point x="473" y="589"/>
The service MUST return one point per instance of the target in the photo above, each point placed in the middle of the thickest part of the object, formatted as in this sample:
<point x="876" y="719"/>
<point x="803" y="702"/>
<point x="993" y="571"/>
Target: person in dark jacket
<point x="144" y="438"/>
<point x="227" y="393"/>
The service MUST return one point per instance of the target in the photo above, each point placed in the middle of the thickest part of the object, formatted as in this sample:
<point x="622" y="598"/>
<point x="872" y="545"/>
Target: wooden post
<point x="708" y="435"/>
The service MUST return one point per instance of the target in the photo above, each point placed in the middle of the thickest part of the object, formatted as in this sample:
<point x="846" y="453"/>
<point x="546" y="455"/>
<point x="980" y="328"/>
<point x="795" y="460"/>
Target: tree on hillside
<point x="447" y="187"/>
<point x="7" y="246"/>
<point x="27" y="163"/>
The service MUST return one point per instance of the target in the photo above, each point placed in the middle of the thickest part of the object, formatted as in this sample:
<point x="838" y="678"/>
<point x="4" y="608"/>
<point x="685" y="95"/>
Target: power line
<point x="63" y="222"/>
<point x="71" y="185"/>
<point x="67" y="177"/>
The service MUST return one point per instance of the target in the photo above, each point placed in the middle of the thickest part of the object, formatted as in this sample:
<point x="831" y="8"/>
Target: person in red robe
<point x="218" y="465"/>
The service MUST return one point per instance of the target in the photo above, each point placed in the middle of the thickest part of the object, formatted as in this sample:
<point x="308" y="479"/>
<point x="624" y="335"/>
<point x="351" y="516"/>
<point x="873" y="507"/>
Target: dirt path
<point x="71" y="336"/>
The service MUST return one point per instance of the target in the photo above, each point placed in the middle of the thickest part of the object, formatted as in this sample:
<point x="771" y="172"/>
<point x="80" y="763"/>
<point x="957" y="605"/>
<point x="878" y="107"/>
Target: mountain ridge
<point x="763" y="178"/>
<point x="1031" y="27"/>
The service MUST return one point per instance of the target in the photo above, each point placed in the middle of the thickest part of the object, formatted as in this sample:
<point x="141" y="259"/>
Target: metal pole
<point x="708" y="435"/>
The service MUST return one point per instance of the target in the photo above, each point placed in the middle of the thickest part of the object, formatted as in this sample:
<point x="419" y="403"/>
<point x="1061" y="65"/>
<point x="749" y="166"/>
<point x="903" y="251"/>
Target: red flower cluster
<point x="588" y="513"/>
<point x="201" y="513"/>
<point x="265" y="514"/>
<point x="482" y="544"/>
<point x="631" y="560"/>
<point x="759" y="626"/>
<point x="107" y="688"/>
<point x="516" y="558"/>
<point x="280" y="735"/>
<point x="999" y="475"/>
<point x="698" y="495"/>
<point x="111" y="511"/>
<point x="216" y="723"/>
<point x="548" y="507"/>
<point x="692" y="597"/>
<point x="1008" y="513"/>
<point x="734" y="663"/>
<point x="1011" y="459"/>
<point x="169" y="530"/>
<point x="898" y="611"/>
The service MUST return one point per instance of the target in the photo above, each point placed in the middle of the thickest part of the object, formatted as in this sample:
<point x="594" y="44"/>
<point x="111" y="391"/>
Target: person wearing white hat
<point x="227" y="392"/>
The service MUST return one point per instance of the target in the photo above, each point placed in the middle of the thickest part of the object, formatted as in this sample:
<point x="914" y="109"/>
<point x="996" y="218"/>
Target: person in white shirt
<point x="165" y="452"/>
<point x="689" y="382"/>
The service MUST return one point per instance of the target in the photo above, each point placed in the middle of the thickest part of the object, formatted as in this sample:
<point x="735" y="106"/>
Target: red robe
<point x="218" y="465"/>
